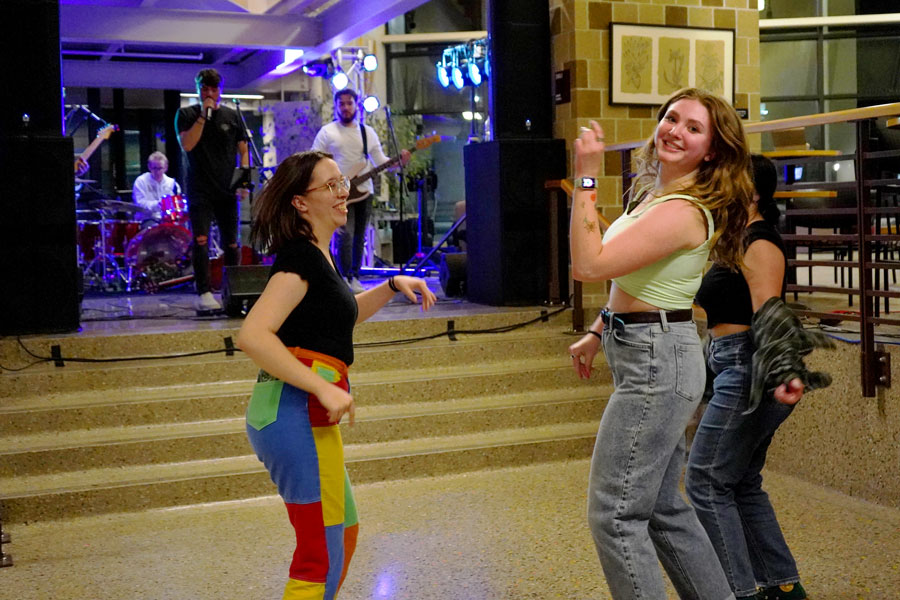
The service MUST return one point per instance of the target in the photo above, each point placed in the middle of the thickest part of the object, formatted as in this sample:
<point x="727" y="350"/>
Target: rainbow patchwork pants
<point x="289" y="430"/>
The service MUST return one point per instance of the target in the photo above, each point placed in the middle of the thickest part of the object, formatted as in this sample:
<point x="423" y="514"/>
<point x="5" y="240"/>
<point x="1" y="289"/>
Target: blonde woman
<point x="690" y="199"/>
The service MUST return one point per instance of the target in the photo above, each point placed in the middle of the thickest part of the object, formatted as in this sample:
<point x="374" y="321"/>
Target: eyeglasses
<point x="334" y="186"/>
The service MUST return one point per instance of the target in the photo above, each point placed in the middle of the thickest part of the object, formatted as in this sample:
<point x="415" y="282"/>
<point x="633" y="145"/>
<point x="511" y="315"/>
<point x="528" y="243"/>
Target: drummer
<point x="150" y="187"/>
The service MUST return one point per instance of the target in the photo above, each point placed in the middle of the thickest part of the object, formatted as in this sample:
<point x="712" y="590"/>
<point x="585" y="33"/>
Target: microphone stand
<point x="401" y="173"/>
<point x="396" y="152"/>
<point x="257" y="158"/>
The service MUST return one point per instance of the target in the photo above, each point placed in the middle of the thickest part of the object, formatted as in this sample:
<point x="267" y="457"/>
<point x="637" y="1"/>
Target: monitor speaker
<point x="242" y="285"/>
<point x="452" y="274"/>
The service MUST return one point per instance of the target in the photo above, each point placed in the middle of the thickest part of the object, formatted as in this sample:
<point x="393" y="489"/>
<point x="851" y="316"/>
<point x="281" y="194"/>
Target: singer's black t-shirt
<point x="212" y="161"/>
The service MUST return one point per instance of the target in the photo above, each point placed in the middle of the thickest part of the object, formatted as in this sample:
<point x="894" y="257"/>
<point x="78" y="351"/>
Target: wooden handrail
<point x="838" y="116"/>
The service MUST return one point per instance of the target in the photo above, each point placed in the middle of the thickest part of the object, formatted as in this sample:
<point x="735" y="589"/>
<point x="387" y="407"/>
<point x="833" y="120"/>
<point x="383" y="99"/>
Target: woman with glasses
<point x="300" y="334"/>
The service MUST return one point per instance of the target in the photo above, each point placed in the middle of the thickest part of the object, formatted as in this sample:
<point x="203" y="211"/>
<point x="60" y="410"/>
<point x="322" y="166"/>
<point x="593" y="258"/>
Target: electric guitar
<point x="102" y="135"/>
<point x="356" y="195"/>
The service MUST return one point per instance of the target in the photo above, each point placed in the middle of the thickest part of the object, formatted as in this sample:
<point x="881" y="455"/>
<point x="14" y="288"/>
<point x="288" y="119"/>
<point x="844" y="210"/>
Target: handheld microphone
<point x="208" y="113"/>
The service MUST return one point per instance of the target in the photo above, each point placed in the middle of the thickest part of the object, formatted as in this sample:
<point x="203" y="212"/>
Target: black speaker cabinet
<point x="242" y="286"/>
<point x="31" y="59"/>
<point x="507" y="222"/>
<point x="521" y="73"/>
<point x="38" y="262"/>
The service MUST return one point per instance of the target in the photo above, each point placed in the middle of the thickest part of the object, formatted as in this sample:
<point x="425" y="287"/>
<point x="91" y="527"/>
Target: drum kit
<point x="120" y="252"/>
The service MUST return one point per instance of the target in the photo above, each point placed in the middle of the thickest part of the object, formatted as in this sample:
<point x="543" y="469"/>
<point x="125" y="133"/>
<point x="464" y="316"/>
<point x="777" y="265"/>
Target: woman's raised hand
<point x="589" y="149"/>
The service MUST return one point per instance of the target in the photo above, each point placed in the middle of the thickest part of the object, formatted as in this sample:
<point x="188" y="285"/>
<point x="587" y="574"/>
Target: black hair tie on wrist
<point x="391" y="284"/>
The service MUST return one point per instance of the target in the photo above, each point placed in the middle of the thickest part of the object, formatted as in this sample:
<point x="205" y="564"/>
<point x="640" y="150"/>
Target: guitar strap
<point x="362" y="131"/>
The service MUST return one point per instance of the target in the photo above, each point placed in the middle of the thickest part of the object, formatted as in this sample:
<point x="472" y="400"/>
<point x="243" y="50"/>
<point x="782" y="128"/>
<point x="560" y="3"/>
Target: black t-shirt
<point x="212" y="161"/>
<point x="724" y="294"/>
<point x="324" y="319"/>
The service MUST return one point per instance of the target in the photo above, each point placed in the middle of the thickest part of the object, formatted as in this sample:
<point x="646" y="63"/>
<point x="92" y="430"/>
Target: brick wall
<point x="580" y="43"/>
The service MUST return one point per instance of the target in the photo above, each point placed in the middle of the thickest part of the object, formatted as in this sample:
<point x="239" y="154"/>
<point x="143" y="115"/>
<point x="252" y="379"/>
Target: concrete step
<point x="57" y="452"/>
<point x="467" y="349"/>
<point x="147" y="405"/>
<point x="112" y="489"/>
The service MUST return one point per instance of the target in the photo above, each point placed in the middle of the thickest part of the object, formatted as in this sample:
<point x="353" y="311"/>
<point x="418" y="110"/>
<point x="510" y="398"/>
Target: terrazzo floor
<point x="507" y="534"/>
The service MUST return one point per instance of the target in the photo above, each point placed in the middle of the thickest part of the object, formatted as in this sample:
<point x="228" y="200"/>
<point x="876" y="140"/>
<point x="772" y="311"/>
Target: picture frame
<point x="649" y="62"/>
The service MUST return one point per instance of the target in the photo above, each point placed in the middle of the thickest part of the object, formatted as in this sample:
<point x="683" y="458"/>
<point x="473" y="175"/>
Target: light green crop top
<point x="671" y="282"/>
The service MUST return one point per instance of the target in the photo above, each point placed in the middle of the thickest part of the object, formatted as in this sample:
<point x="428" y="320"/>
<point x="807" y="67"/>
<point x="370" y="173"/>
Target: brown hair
<point x="209" y="77"/>
<point x="275" y="220"/>
<point x="722" y="185"/>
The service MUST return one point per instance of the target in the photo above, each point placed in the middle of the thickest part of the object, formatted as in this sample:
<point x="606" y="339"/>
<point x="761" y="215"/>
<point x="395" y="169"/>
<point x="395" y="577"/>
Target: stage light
<point x="443" y="76"/>
<point x="371" y="104"/>
<point x="468" y="115"/>
<point x="458" y="77"/>
<point x="340" y="80"/>
<point x="474" y="73"/>
<point x="370" y="62"/>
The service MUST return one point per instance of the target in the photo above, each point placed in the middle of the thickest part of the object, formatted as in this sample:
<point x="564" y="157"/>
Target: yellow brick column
<point x="580" y="43"/>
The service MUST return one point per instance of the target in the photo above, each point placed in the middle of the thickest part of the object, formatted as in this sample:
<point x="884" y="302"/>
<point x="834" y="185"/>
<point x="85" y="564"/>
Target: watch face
<point x="587" y="182"/>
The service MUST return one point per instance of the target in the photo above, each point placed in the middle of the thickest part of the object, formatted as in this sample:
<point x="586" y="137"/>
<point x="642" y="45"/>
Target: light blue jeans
<point x="636" y="511"/>
<point x="723" y="478"/>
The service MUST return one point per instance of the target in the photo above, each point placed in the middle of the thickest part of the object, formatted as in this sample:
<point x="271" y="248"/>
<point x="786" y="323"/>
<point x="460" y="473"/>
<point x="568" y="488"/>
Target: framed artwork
<point x="649" y="62"/>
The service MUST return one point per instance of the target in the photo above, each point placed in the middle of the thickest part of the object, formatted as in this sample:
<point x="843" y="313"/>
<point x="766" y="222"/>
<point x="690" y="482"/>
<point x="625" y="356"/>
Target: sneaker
<point x="206" y="302"/>
<point x="788" y="591"/>
<point x="355" y="286"/>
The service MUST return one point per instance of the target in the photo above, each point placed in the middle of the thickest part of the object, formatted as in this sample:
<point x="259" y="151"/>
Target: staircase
<point x="91" y="438"/>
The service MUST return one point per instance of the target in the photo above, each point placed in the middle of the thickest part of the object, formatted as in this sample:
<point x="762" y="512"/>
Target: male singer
<point x="212" y="136"/>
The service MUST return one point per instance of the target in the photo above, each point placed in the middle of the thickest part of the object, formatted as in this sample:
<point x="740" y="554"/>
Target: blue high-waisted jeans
<point x="636" y="511"/>
<point x="723" y="477"/>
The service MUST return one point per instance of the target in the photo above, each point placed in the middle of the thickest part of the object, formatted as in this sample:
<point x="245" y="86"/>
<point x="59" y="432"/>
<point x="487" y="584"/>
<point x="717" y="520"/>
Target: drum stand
<point x="103" y="272"/>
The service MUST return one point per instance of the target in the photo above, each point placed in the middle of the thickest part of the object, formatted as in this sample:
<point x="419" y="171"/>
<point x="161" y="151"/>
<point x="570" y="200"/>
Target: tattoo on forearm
<point x="589" y="225"/>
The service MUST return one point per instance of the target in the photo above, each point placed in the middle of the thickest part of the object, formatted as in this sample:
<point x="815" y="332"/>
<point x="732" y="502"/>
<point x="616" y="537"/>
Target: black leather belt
<point x="672" y="316"/>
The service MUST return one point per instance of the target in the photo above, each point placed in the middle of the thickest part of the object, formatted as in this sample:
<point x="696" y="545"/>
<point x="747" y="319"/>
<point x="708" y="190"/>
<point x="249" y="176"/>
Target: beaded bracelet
<point x="391" y="284"/>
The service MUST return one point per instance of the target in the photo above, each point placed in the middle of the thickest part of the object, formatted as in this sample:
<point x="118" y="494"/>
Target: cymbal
<point x="116" y="205"/>
<point x="79" y="180"/>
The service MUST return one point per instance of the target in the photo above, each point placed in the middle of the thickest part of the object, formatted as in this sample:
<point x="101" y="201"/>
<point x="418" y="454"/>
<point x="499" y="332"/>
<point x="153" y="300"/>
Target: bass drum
<point x="159" y="255"/>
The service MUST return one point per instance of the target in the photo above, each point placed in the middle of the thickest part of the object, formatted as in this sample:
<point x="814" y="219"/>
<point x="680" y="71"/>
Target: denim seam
<point x="625" y="488"/>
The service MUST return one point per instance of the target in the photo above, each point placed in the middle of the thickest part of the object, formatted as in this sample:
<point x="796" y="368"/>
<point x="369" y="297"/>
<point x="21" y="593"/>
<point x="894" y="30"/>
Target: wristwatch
<point x="586" y="183"/>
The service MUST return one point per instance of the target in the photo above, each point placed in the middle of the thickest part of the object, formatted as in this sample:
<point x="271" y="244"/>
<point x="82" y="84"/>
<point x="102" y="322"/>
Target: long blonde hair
<point x="723" y="184"/>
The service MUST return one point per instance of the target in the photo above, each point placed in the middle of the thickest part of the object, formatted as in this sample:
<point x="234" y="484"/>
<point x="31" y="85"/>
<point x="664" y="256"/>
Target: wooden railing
<point x="869" y="240"/>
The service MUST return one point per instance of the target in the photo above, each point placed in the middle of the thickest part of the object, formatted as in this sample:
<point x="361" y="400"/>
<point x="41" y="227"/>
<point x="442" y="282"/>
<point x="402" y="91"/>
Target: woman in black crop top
<point x="300" y="334"/>
<point x="723" y="478"/>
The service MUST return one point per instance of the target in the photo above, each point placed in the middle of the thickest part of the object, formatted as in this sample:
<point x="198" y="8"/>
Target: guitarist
<point x="351" y="141"/>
